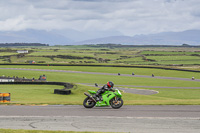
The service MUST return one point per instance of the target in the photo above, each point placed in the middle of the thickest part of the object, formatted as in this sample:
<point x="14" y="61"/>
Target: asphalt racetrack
<point x="135" y="119"/>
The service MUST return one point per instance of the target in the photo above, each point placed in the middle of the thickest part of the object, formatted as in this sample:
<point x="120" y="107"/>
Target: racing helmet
<point x="110" y="84"/>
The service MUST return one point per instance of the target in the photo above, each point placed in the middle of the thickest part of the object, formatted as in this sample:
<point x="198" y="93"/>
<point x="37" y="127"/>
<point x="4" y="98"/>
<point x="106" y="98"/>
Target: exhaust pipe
<point x="88" y="95"/>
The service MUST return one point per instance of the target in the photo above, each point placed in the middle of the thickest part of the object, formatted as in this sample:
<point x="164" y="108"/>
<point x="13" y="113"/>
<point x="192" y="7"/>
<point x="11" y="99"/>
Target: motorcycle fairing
<point x="92" y="92"/>
<point x="107" y="96"/>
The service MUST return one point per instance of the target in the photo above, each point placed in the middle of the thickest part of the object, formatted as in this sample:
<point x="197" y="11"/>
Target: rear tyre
<point x="88" y="103"/>
<point x="116" y="103"/>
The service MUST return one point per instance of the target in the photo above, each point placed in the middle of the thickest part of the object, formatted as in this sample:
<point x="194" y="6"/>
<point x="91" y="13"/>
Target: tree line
<point x="21" y="44"/>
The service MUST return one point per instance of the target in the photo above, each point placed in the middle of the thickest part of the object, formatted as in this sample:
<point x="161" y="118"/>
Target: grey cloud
<point x="127" y="16"/>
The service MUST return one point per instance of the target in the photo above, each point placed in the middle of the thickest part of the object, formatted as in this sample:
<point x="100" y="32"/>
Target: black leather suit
<point x="103" y="89"/>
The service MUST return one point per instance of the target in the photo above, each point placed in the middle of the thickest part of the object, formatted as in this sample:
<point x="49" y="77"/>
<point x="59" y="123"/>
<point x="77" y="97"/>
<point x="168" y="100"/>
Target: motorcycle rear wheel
<point x="116" y="104"/>
<point x="88" y="103"/>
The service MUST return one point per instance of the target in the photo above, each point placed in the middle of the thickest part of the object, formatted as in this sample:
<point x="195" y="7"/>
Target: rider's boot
<point x="96" y="97"/>
<point x="100" y="98"/>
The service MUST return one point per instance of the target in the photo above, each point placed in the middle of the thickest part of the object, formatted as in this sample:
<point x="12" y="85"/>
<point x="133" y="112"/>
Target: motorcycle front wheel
<point x="116" y="103"/>
<point x="88" y="103"/>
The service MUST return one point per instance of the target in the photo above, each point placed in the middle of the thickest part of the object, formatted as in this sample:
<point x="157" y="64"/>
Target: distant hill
<point x="191" y="37"/>
<point x="33" y="36"/>
<point x="53" y="37"/>
<point x="73" y="37"/>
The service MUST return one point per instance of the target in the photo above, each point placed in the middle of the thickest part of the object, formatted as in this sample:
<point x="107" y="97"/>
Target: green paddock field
<point x="171" y="52"/>
<point x="163" y="56"/>
<point x="43" y="94"/>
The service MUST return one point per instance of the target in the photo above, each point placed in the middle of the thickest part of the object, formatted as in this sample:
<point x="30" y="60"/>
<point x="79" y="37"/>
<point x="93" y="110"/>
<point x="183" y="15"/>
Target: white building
<point x="22" y="51"/>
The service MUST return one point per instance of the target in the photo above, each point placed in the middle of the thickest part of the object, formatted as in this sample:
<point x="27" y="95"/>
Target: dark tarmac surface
<point x="136" y="119"/>
<point x="125" y="111"/>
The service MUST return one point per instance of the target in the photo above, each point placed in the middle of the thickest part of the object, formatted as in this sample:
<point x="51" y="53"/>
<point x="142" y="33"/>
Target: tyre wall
<point x="65" y="91"/>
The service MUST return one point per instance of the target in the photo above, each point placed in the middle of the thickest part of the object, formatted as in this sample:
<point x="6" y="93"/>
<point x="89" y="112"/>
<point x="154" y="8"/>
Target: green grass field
<point x="172" y="52"/>
<point x="163" y="56"/>
<point x="43" y="94"/>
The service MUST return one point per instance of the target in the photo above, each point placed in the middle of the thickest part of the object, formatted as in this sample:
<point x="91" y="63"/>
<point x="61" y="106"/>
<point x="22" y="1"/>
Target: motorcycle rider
<point x="106" y="87"/>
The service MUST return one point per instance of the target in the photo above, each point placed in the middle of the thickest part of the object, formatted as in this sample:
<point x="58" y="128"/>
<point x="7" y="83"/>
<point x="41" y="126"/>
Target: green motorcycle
<point x="109" y="98"/>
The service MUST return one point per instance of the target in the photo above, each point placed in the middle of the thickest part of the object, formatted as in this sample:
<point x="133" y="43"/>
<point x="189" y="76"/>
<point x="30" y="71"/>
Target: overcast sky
<point x="130" y="17"/>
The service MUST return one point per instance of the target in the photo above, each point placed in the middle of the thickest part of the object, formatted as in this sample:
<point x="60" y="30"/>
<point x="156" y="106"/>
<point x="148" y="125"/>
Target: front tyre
<point x="116" y="103"/>
<point x="88" y="103"/>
